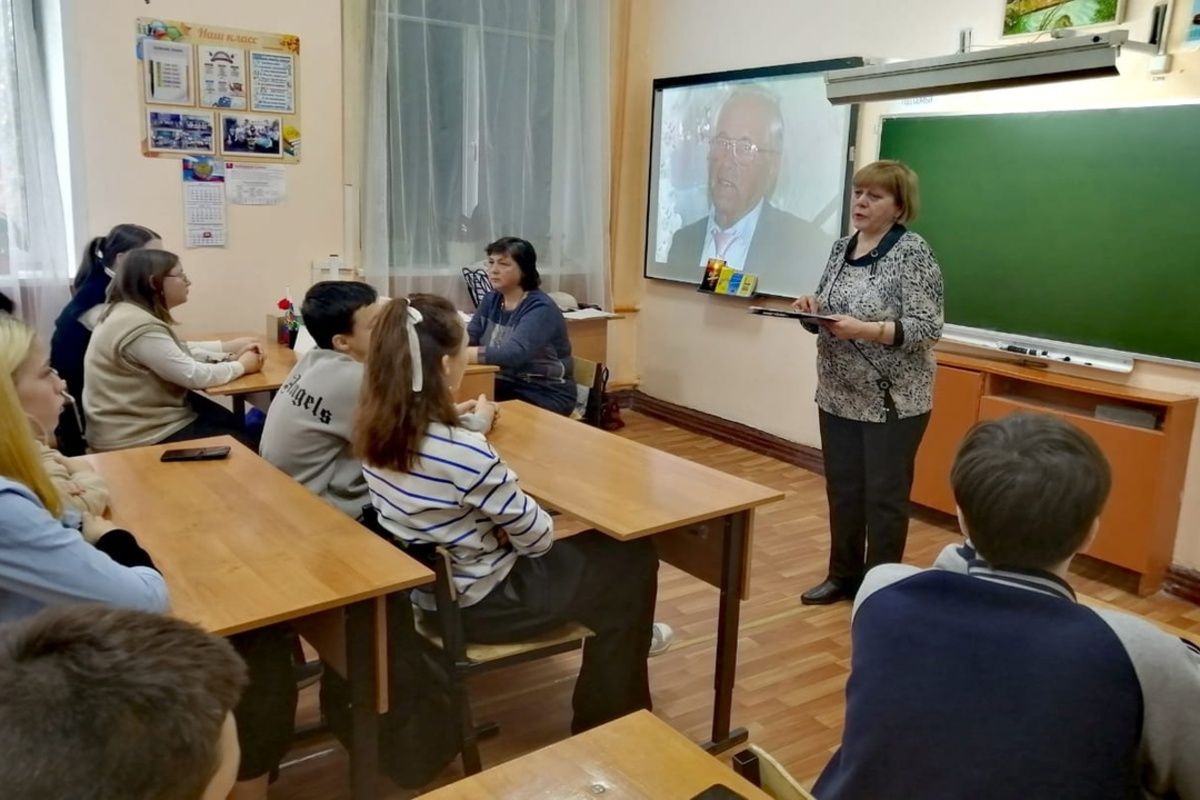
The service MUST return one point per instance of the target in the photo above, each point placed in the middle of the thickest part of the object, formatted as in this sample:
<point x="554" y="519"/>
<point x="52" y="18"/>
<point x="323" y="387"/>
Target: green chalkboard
<point x="1078" y="226"/>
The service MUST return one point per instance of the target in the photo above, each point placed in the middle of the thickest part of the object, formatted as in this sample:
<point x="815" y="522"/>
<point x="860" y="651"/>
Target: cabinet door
<point x="955" y="409"/>
<point x="1136" y="458"/>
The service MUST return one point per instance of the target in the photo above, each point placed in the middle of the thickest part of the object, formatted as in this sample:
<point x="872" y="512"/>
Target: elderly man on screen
<point x="742" y="227"/>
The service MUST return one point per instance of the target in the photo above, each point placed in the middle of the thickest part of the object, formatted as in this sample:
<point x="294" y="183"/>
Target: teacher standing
<point x="875" y="369"/>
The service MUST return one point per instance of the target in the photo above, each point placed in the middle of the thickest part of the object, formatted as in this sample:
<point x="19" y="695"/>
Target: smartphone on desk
<point x="196" y="454"/>
<point x="719" y="791"/>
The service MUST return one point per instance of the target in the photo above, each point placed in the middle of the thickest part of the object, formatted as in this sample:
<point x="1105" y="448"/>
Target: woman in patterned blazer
<point x="883" y="288"/>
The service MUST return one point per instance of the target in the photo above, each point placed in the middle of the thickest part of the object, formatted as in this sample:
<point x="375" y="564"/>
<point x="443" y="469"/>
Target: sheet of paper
<point x="272" y="82"/>
<point x="203" y="202"/>
<point x="167" y="72"/>
<point x="255" y="184"/>
<point x="304" y="342"/>
<point x="222" y="77"/>
<point x="589" y="313"/>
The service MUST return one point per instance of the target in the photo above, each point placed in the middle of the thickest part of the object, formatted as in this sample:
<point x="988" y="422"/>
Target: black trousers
<point x="266" y="714"/>
<point x="868" y="478"/>
<point x="213" y="419"/>
<point x="607" y="585"/>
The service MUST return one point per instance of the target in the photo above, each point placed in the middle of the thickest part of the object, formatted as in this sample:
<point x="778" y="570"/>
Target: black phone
<point x="719" y="791"/>
<point x="196" y="454"/>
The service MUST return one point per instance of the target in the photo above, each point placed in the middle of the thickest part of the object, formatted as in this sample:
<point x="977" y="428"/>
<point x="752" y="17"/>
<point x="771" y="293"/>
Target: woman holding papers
<point x="883" y="288"/>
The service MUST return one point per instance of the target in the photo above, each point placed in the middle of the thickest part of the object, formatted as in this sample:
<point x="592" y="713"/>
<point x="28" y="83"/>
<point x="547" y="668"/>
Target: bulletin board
<point x="224" y="92"/>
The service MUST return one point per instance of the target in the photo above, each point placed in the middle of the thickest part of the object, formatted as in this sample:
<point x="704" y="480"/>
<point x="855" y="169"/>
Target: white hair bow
<point x="414" y="349"/>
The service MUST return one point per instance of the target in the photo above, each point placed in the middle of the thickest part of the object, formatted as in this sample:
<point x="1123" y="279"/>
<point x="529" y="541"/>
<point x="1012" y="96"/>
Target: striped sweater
<point x="457" y="494"/>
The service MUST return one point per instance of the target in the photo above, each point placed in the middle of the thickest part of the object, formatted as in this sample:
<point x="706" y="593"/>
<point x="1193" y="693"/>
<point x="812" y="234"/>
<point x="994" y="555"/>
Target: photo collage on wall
<point x="218" y="91"/>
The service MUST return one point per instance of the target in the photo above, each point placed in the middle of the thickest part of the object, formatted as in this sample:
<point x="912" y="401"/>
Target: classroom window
<point x="485" y="137"/>
<point x="34" y="262"/>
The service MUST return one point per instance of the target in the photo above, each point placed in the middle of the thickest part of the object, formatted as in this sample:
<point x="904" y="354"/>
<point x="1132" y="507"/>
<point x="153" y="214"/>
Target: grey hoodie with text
<point x="309" y="426"/>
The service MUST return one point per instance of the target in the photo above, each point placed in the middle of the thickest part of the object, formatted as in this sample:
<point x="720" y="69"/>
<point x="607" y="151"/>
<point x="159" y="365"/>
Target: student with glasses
<point x="142" y="381"/>
<point x="742" y="227"/>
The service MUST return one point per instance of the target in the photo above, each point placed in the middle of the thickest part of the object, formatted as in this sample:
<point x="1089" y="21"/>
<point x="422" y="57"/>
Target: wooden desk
<point x="279" y="362"/>
<point x="638" y="757"/>
<point x="1149" y="465"/>
<point x="479" y="378"/>
<point x="701" y="518"/>
<point x="589" y="337"/>
<point x="242" y="546"/>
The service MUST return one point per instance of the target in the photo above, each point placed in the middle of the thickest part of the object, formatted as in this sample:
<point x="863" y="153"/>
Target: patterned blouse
<point x="900" y="283"/>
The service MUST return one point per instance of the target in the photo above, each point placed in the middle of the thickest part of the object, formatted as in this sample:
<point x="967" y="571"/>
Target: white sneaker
<point x="661" y="637"/>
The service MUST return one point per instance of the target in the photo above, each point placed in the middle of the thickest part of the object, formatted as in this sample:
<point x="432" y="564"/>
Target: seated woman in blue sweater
<point x="519" y="328"/>
<point x="73" y="328"/>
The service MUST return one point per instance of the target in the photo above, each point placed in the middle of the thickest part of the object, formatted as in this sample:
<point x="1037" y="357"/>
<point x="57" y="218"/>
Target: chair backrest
<point x="760" y="768"/>
<point x="478" y="284"/>
<point x="449" y="615"/>
<point x="590" y="379"/>
<point x="437" y="558"/>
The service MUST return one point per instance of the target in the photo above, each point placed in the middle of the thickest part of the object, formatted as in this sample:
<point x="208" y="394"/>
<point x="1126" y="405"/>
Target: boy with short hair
<point x="984" y="678"/>
<point x="309" y="423"/>
<point x="110" y="704"/>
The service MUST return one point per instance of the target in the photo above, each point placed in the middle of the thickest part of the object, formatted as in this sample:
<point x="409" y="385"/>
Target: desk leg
<point x="733" y="556"/>
<point x="239" y="408"/>
<point x="364" y="732"/>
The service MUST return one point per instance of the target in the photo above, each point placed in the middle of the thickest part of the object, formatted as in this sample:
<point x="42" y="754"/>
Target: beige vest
<point x="126" y="404"/>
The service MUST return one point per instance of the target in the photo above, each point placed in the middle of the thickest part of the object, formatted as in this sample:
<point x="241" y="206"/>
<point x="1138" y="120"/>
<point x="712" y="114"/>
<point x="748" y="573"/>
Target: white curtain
<point x="34" y="267"/>
<point x="486" y="118"/>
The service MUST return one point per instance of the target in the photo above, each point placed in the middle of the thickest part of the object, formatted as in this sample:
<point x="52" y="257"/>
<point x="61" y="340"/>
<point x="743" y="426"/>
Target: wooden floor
<point x="793" y="660"/>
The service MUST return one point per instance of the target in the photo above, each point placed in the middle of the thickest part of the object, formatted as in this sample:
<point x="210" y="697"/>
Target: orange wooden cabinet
<point x="1138" y="526"/>
<point x="956" y="394"/>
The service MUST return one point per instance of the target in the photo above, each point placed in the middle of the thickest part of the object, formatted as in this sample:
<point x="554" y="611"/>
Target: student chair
<point x="440" y="634"/>
<point x="591" y="377"/>
<point x="478" y="284"/>
<point x="458" y="659"/>
<point x="760" y="768"/>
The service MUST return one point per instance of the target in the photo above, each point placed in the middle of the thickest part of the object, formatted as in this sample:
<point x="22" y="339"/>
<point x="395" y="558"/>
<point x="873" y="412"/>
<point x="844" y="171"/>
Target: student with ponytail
<point x="73" y="329"/>
<point x="433" y="481"/>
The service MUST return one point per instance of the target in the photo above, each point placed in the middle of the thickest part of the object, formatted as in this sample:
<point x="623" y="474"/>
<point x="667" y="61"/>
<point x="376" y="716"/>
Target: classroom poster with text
<point x="225" y="92"/>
